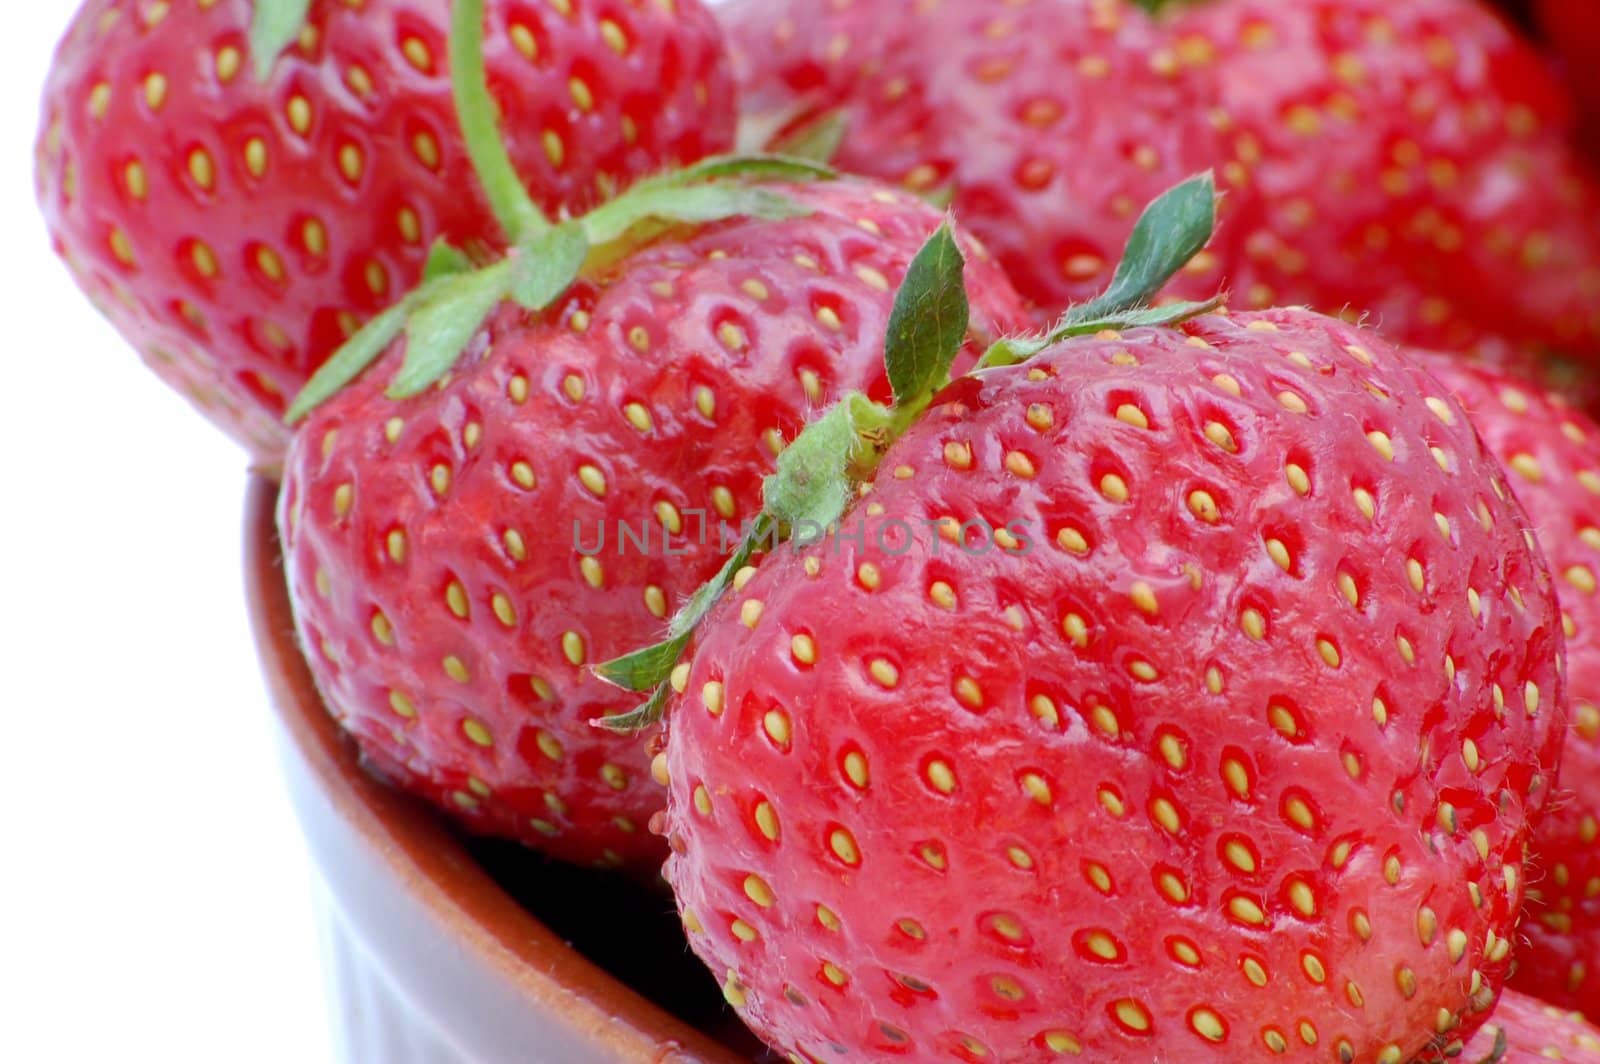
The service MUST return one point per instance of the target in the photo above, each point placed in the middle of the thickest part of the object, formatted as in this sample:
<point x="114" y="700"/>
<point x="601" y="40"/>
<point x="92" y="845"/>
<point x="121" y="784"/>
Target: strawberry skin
<point x="237" y="231"/>
<point x="1552" y="453"/>
<point x="989" y="100"/>
<point x="1227" y="752"/>
<point x="1410" y="160"/>
<point x="439" y="582"/>
<point x="1528" y="1031"/>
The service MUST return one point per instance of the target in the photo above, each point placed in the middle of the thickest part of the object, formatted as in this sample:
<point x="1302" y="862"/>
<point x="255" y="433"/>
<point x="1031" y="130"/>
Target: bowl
<point x="433" y="949"/>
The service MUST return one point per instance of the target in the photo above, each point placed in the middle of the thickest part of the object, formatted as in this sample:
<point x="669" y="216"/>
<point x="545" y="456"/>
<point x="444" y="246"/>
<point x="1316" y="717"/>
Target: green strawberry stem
<point x="928" y="325"/>
<point x="441" y="315"/>
<point x="1502" y="1046"/>
<point x="819" y="472"/>
<point x="640" y="671"/>
<point x="1171" y="231"/>
<point x="475" y="111"/>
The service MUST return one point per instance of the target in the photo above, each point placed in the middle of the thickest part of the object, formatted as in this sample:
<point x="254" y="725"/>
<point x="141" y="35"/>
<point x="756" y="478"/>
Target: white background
<point x="154" y="897"/>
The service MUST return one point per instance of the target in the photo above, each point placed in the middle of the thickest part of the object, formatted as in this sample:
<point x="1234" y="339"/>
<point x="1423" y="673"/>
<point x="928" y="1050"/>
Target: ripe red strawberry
<point x="1051" y="122"/>
<point x="1411" y="160"/>
<point x="236" y="230"/>
<point x="1219" y="738"/>
<point x="1552" y="452"/>
<point x="1525" y="1030"/>
<point x="430" y="543"/>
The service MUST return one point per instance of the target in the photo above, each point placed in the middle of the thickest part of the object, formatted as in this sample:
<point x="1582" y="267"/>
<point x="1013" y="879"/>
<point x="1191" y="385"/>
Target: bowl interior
<point x="639" y="942"/>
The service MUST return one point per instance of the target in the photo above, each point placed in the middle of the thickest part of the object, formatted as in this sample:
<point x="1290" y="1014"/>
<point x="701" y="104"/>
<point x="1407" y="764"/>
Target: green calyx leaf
<point x="274" y="26"/>
<point x="646" y="716"/>
<point x="443" y="322"/>
<point x="709" y="191"/>
<point x="1017" y="350"/>
<point x="929" y="322"/>
<point x="818" y="141"/>
<point x="647" y="669"/>
<point x="358" y="352"/>
<point x="450" y="309"/>
<point x="440" y="318"/>
<point x="686" y="206"/>
<point x="547" y="266"/>
<point x="811" y="489"/>
<point x="445" y="259"/>
<point x="776" y="130"/>
<point x="1171" y="231"/>
<point x="812" y="485"/>
<point x="758" y="167"/>
<point x="1501" y="1048"/>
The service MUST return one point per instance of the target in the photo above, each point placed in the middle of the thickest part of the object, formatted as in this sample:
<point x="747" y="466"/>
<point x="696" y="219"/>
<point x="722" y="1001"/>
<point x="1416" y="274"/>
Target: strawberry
<point x="456" y="558"/>
<point x="237" y="229"/>
<point x="1411" y="160"/>
<point x="1179" y="693"/>
<point x="1525" y="1030"/>
<point x="986" y="100"/>
<point x="1552" y="452"/>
